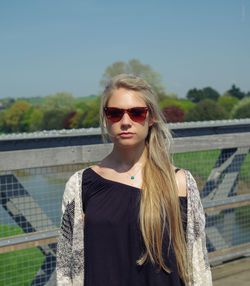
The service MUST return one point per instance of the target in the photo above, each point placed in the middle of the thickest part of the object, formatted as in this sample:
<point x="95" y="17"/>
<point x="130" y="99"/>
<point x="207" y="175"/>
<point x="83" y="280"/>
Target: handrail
<point x="28" y="240"/>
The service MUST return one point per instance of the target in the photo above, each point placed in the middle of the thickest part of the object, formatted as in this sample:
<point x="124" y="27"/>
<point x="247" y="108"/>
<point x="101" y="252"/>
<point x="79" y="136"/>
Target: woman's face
<point x="127" y="132"/>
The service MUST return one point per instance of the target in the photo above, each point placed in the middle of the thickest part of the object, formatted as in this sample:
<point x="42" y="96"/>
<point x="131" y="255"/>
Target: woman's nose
<point x="125" y="119"/>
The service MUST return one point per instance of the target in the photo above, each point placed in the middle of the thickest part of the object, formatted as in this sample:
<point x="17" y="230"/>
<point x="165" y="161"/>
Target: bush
<point x="173" y="114"/>
<point x="227" y="102"/>
<point x="242" y="109"/>
<point x="15" y="114"/>
<point x="206" y="109"/>
<point x="54" y="118"/>
<point x="183" y="104"/>
<point x="36" y="120"/>
<point x="2" y="121"/>
<point x="68" y="120"/>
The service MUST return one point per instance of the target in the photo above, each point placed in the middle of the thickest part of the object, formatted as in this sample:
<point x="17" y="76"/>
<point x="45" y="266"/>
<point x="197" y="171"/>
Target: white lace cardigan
<point x="70" y="247"/>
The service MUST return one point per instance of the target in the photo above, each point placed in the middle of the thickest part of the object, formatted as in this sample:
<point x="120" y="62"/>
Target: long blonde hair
<point x="159" y="205"/>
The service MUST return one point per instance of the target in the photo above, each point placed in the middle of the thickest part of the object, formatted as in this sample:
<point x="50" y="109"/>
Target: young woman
<point x="133" y="219"/>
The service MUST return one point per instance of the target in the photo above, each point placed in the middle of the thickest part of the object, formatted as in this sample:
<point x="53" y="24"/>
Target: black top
<point x="113" y="241"/>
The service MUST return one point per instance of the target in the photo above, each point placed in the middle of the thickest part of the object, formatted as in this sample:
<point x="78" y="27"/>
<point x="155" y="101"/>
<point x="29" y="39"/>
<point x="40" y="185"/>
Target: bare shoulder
<point x="181" y="183"/>
<point x="99" y="169"/>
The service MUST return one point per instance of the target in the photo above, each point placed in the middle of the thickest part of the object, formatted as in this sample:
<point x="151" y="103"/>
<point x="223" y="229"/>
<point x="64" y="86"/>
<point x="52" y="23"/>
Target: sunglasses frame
<point x="143" y="109"/>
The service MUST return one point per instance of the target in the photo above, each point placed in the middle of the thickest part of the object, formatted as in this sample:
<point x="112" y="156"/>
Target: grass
<point x="21" y="266"/>
<point x="243" y="217"/>
<point x="33" y="100"/>
<point x="9" y="230"/>
<point x="199" y="164"/>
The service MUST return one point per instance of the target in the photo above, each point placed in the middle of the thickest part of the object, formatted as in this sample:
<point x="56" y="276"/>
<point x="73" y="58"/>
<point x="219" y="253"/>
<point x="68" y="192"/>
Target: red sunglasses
<point x="137" y="114"/>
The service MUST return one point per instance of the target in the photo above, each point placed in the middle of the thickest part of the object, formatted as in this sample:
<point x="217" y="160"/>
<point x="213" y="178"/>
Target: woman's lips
<point x="126" y="134"/>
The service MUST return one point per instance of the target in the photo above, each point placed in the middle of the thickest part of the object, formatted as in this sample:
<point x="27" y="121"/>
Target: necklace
<point x="132" y="177"/>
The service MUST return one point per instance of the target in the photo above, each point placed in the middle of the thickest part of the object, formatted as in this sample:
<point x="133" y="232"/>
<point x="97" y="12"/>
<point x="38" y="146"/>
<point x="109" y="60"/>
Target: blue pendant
<point x="132" y="177"/>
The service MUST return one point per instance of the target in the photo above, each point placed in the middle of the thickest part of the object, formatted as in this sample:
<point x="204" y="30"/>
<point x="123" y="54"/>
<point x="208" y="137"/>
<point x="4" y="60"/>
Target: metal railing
<point x="35" y="167"/>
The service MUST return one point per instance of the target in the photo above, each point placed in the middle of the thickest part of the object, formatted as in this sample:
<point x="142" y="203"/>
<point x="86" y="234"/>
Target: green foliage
<point x="59" y="100"/>
<point x="2" y="121"/>
<point x="34" y="100"/>
<point x="86" y="99"/>
<point x="25" y="123"/>
<point x="184" y="104"/>
<point x="241" y="109"/>
<point x="169" y="102"/>
<point x="82" y="105"/>
<point x="236" y="92"/>
<point x="53" y="118"/>
<point x="87" y="114"/>
<point x="136" y="68"/>
<point x="207" y="109"/>
<point x="15" y="115"/>
<point x="227" y="102"/>
<point x="210" y="93"/>
<point x="172" y="96"/>
<point x="76" y="120"/>
<point x="92" y="118"/>
<point x="197" y="95"/>
<point x="163" y="96"/>
<point x="36" y="120"/>
<point x="6" y="103"/>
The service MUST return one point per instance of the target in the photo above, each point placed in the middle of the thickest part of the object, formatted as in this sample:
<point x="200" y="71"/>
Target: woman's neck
<point x="125" y="159"/>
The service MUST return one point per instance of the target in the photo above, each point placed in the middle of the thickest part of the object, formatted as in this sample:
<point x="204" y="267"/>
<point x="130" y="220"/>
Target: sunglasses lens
<point x="114" y="114"/>
<point x="138" y="114"/>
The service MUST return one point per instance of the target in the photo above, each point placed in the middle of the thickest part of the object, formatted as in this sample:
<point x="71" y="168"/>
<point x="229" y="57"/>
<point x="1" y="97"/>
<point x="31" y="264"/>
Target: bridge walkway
<point x="232" y="273"/>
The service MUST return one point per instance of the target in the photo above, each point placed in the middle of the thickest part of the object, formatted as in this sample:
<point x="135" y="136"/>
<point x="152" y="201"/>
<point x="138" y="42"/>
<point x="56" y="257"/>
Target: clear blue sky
<point x="48" y="46"/>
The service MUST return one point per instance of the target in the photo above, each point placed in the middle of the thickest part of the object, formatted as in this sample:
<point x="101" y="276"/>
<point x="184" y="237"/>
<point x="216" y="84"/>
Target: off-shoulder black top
<point x="112" y="237"/>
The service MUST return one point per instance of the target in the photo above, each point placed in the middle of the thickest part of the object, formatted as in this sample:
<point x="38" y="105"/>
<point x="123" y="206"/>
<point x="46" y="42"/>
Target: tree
<point x="76" y="120"/>
<point x="227" y="102"/>
<point x="36" y="120"/>
<point x="15" y="114"/>
<point x="242" y="109"/>
<point x="206" y="109"/>
<point x="136" y="68"/>
<point x="54" y="118"/>
<point x="25" y="122"/>
<point x="195" y="95"/>
<point x="91" y="117"/>
<point x="210" y="93"/>
<point x="183" y="104"/>
<point x="68" y="120"/>
<point x="236" y="92"/>
<point x="2" y="122"/>
<point x="173" y="114"/>
<point x="7" y="103"/>
<point x="59" y="100"/>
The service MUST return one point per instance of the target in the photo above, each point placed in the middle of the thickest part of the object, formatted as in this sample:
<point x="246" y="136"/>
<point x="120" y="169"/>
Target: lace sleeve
<point x="65" y="240"/>
<point x="70" y="257"/>
<point x="196" y="237"/>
